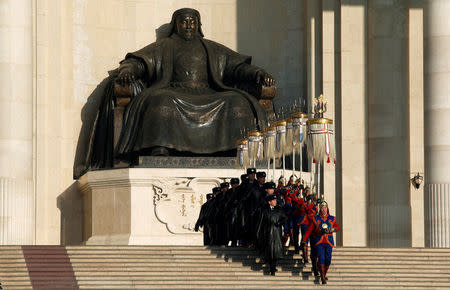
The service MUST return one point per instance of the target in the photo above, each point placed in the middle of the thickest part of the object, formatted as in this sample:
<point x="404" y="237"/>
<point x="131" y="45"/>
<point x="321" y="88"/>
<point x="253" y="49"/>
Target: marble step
<point x="198" y="267"/>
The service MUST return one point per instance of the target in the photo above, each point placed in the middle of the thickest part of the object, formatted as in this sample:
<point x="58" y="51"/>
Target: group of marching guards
<point x="260" y="214"/>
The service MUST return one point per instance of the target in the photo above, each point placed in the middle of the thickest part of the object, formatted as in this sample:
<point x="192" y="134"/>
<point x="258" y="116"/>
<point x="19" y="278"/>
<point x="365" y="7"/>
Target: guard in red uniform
<point x="294" y="193"/>
<point x="290" y="210"/>
<point x="323" y="225"/>
<point x="306" y="211"/>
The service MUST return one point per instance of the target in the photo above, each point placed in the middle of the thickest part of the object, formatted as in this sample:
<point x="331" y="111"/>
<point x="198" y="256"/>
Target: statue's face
<point x="187" y="26"/>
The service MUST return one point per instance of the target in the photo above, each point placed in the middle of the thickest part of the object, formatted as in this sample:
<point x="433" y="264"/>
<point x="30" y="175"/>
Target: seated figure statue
<point x="184" y="97"/>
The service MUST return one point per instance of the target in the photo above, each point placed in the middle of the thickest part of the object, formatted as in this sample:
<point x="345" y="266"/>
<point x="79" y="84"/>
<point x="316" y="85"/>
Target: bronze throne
<point x="124" y="93"/>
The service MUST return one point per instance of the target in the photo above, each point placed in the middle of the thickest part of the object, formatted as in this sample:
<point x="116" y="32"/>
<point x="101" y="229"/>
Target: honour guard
<point x="245" y="221"/>
<point x="254" y="202"/>
<point x="221" y="233"/>
<point x="280" y="191"/>
<point x="202" y="220"/>
<point x="323" y="225"/>
<point x="231" y="211"/>
<point x="295" y="196"/>
<point x="269" y="231"/>
<point x="213" y="216"/>
<point x="306" y="210"/>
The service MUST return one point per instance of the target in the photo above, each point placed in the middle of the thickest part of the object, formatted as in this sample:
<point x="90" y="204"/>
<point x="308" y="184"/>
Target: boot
<point x="305" y="254"/>
<point x="273" y="267"/>
<point x="326" y="270"/>
<point x="315" y="267"/>
<point x="322" y="274"/>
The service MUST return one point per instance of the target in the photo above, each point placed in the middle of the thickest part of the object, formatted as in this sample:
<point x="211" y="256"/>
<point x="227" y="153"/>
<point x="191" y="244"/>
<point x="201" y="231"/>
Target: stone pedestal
<point x="147" y="206"/>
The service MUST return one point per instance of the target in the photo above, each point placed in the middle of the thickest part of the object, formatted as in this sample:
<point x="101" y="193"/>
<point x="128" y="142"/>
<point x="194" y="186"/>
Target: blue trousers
<point x="324" y="253"/>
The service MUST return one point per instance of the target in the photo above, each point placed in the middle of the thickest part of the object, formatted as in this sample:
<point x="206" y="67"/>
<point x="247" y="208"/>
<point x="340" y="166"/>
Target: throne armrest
<point x="259" y="91"/>
<point x="263" y="94"/>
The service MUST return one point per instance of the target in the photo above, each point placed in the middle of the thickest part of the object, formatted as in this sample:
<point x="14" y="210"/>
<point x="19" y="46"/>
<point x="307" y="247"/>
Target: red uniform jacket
<point x="317" y="226"/>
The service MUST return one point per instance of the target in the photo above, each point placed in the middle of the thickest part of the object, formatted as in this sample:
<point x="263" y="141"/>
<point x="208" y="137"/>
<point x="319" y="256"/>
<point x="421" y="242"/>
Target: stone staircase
<point x="198" y="267"/>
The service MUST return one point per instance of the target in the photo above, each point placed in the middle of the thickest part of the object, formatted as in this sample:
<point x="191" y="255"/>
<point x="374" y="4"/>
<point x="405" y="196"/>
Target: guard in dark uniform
<point x="245" y="220"/>
<point x="269" y="231"/>
<point x="255" y="201"/>
<point x="240" y="223"/>
<point x="213" y="216"/>
<point x="202" y="220"/>
<point x="231" y="211"/>
<point x="221" y="230"/>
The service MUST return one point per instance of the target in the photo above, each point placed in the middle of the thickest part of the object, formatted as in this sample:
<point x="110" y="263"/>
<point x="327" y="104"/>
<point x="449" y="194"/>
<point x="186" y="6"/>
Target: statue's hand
<point x="265" y="79"/>
<point x="125" y="77"/>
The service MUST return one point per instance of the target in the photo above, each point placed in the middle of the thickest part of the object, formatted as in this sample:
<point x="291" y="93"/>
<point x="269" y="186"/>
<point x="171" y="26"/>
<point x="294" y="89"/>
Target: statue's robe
<point x="164" y="112"/>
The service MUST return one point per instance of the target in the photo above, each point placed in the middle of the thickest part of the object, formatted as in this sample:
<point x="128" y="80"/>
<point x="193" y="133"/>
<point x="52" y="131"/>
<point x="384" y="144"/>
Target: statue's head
<point x="186" y="23"/>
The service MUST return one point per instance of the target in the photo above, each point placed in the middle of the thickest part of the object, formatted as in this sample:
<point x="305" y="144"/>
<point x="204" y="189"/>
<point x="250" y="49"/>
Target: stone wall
<point x="367" y="56"/>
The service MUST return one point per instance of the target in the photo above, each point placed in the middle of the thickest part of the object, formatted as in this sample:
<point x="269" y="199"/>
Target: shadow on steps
<point x="290" y="265"/>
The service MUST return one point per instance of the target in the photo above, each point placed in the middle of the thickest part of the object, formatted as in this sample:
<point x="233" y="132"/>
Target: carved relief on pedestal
<point x="177" y="201"/>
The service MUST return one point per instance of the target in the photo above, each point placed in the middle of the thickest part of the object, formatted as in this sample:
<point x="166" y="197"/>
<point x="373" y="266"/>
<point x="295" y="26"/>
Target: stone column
<point x="416" y="120"/>
<point x="353" y="134"/>
<point x="388" y="131"/>
<point x="16" y="115"/>
<point x="437" y="120"/>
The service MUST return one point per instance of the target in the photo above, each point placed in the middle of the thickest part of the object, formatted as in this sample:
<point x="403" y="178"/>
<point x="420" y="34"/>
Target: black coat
<point x="244" y="191"/>
<point x="269" y="232"/>
<point x="232" y="205"/>
<point x="256" y="199"/>
<point x="203" y="216"/>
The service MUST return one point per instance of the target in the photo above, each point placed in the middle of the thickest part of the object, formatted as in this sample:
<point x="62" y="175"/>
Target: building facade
<point x="382" y="65"/>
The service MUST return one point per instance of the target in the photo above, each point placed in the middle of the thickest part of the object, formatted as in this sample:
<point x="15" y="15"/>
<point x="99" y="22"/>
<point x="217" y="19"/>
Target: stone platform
<point x="186" y="162"/>
<point x="191" y="162"/>
<point x="147" y="206"/>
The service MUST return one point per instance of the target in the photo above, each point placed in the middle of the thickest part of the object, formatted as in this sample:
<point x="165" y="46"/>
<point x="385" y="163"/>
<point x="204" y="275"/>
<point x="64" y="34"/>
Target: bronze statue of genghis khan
<point x="181" y="94"/>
